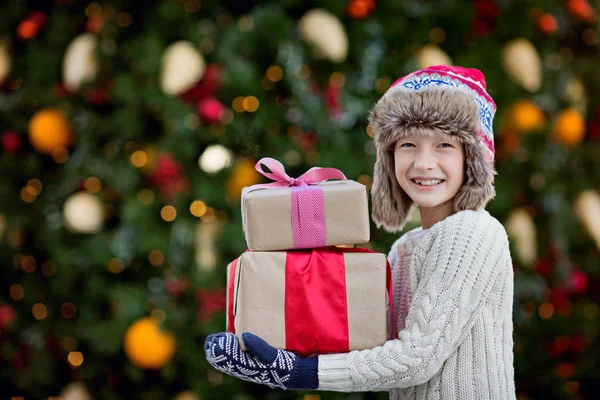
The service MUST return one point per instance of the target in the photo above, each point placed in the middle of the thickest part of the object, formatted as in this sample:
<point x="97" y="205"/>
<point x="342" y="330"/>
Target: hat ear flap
<point x="478" y="188"/>
<point x="390" y="205"/>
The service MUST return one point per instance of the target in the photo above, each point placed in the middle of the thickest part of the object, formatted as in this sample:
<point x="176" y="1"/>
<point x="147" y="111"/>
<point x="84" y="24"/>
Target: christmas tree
<point x="129" y="130"/>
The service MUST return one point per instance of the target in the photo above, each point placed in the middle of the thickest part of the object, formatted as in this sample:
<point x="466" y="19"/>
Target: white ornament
<point x="326" y="33"/>
<point x="84" y="213"/>
<point x="431" y="55"/>
<point x="522" y="62"/>
<point x="75" y="391"/>
<point x="214" y="158"/>
<point x="5" y="60"/>
<point x="576" y="95"/>
<point x="587" y="208"/>
<point x="80" y="63"/>
<point x="182" y="67"/>
<point x="520" y="227"/>
<point x="206" y="254"/>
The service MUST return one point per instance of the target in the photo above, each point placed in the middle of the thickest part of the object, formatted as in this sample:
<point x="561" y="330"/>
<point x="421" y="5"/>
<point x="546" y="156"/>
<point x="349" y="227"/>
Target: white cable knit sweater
<point x="457" y="337"/>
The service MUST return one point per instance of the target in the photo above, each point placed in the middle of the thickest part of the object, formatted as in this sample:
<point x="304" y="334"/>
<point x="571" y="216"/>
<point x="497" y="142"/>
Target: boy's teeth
<point x="428" y="183"/>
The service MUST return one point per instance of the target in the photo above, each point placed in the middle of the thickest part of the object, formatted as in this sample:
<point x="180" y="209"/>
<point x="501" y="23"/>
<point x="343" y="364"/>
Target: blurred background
<point x="128" y="129"/>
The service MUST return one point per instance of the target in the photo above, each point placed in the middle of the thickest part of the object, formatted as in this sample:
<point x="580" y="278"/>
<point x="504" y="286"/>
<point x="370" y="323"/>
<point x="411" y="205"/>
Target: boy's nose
<point x="425" y="161"/>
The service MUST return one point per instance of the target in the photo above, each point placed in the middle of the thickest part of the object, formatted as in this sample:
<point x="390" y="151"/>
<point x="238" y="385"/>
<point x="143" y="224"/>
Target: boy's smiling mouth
<point x="428" y="184"/>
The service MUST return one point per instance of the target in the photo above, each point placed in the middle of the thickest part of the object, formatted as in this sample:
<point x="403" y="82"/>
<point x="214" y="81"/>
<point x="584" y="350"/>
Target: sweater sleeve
<point x="460" y="261"/>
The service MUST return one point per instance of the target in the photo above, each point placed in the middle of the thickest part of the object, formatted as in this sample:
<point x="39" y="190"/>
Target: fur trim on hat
<point x="400" y="113"/>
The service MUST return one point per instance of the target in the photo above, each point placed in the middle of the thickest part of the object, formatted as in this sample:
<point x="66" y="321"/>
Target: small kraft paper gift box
<point x="307" y="212"/>
<point x="319" y="301"/>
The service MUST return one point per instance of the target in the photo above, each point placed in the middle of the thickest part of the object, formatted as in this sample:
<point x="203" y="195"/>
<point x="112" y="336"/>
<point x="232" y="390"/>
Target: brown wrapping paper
<point x="267" y="221"/>
<point x="259" y="297"/>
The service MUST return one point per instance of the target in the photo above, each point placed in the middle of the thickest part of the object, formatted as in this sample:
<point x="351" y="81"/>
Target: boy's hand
<point x="261" y="362"/>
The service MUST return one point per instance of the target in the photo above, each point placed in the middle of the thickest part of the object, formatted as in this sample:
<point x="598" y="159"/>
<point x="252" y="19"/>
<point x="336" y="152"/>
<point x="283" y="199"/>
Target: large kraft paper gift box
<point x="305" y="212"/>
<point x="318" y="301"/>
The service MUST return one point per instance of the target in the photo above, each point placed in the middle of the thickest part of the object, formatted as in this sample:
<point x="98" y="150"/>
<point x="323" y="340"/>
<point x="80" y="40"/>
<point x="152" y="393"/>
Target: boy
<point x="453" y="278"/>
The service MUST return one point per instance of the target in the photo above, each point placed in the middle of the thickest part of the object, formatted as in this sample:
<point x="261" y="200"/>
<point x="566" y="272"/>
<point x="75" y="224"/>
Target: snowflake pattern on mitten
<point x="274" y="367"/>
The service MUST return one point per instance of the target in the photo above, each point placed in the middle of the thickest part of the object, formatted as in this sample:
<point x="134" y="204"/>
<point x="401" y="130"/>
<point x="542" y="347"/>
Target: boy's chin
<point x="424" y="204"/>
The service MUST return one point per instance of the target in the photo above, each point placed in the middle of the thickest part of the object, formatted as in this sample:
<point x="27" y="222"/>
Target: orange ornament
<point x="243" y="175"/>
<point x="526" y="116"/>
<point x="360" y="8"/>
<point x="49" y="129"/>
<point x="147" y="346"/>
<point x="548" y="24"/>
<point x="569" y="128"/>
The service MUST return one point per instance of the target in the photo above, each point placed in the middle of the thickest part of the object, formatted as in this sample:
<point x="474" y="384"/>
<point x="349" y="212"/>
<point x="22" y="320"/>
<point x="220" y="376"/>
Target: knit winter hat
<point x="438" y="99"/>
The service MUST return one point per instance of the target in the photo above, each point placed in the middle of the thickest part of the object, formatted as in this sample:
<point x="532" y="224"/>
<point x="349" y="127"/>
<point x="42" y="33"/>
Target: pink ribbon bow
<point x="311" y="177"/>
<point x="307" y="203"/>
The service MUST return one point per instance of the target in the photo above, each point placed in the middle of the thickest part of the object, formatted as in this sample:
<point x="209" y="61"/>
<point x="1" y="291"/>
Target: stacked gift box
<point x="293" y="287"/>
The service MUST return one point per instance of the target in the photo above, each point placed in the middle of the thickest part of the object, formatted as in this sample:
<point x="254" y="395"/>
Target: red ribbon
<point x="230" y="290"/>
<point x="316" y="311"/>
<point x="316" y="307"/>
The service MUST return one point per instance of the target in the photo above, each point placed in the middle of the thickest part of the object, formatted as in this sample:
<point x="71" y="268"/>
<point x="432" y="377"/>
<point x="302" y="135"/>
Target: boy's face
<point x="437" y="161"/>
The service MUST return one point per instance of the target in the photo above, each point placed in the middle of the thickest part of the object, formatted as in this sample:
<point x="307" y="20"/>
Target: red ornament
<point x="559" y="297"/>
<point x="548" y="24"/>
<point x="94" y="23"/>
<point x="207" y="87"/>
<point x="333" y="100"/>
<point x="11" y="142"/>
<point x="550" y="348"/>
<point x="482" y="27"/>
<point x="7" y="315"/>
<point x="582" y="10"/>
<point x="97" y="96"/>
<point x="360" y="9"/>
<point x="562" y="343"/>
<point x="486" y="9"/>
<point x="579" y="281"/>
<point x="594" y="125"/>
<point x="486" y="14"/>
<point x="176" y="286"/>
<point x="210" y="302"/>
<point x="564" y="370"/>
<point x="544" y="266"/>
<point x="210" y="110"/>
<point x="169" y="177"/>
<point x="30" y="26"/>
<point x="309" y="140"/>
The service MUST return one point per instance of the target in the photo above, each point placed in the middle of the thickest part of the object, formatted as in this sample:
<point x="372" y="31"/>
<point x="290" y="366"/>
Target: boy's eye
<point x="446" y="145"/>
<point x="406" y="145"/>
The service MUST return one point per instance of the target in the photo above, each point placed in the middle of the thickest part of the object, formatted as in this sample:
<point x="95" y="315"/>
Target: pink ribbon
<point x="311" y="177"/>
<point x="307" y="202"/>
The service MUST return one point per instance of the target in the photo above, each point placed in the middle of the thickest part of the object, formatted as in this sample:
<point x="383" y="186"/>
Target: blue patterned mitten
<point x="261" y="362"/>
